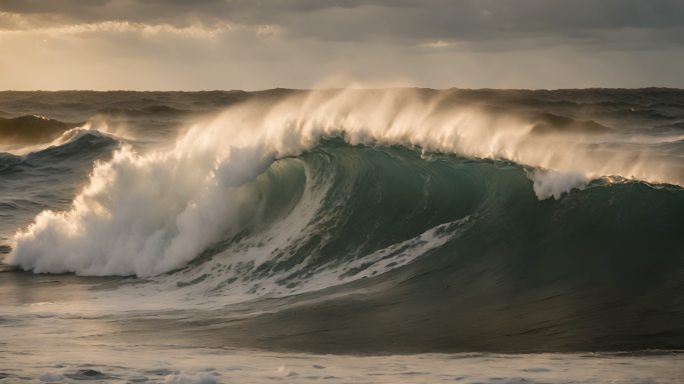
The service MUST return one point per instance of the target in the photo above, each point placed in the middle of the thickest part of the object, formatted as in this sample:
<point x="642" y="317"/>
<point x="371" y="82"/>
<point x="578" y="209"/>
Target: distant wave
<point x="30" y="130"/>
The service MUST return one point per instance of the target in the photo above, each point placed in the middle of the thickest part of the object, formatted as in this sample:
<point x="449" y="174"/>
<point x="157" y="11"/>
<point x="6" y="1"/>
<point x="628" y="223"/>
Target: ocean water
<point x="399" y="235"/>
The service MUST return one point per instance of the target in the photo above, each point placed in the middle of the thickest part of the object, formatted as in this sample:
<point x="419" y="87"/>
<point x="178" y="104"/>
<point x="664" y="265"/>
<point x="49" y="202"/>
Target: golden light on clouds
<point x="229" y="45"/>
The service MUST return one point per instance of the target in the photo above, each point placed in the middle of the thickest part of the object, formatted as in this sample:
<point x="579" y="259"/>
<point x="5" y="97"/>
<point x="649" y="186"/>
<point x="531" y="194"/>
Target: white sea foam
<point x="552" y="183"/>
<point x="183" y="378"/>
<point x="149" y="214"/>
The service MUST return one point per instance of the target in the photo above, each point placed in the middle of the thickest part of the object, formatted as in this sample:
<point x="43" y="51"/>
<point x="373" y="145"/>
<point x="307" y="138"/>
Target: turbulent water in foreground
<point x="405" y="235"/>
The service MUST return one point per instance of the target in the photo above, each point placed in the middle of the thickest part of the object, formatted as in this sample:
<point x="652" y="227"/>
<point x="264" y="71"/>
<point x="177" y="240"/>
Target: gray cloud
<point x="352" y="20"/>
<point x="219" y="44"/>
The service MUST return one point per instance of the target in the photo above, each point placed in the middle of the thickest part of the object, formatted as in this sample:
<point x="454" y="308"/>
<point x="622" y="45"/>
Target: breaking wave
<point x="328" y="187"/>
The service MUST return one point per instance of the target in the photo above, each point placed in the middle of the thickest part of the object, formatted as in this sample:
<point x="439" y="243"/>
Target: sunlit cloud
<point x="299" y="43"/>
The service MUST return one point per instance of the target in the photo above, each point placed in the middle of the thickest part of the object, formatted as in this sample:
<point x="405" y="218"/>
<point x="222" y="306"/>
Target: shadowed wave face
<point x="26" y="130"/>
<point x="369" y="221"/>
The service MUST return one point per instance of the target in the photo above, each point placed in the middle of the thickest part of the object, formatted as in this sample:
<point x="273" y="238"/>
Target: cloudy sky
<point x="260" y="44"/>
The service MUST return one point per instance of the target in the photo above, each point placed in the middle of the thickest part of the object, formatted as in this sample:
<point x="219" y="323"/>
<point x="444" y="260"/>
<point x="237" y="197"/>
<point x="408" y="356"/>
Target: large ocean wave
<point x="449" y="210"/>
<point x="338" y="184"/>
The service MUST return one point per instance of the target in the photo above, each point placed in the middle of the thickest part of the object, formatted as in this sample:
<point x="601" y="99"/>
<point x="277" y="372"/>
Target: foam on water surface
<point x="136" y="363"/>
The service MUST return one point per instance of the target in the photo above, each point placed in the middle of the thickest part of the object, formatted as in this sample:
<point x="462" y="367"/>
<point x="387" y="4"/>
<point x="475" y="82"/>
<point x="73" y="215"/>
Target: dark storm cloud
<point x="399" y="20"/>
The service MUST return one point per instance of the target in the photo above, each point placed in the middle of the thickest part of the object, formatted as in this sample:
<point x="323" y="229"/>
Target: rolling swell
<point x="599" y="269"/>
